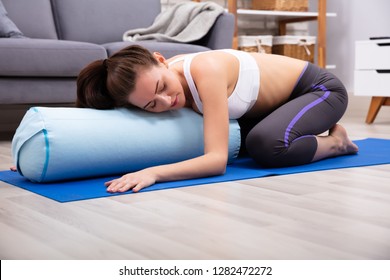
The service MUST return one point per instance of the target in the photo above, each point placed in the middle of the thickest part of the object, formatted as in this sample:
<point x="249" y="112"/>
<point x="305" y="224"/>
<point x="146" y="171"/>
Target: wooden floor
<point x="335" y="214"/>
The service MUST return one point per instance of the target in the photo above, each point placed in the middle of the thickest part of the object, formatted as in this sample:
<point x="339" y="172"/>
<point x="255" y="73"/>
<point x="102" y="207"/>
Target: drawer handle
<point x="383" y="44"/>
<point x="383" y="71"/>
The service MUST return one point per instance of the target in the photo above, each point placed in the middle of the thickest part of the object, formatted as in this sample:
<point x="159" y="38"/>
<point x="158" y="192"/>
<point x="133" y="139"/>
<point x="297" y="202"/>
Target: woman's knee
<point x="263" y="148"/>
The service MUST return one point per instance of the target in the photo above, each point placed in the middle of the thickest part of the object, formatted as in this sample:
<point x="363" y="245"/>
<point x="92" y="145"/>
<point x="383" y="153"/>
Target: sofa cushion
<point x="46" y="58"/>
<point x="8" y="29"/>
<point x="166" y="49"/>
<point x="33" y="18"/>
<point x="30" y="90"/>
<point x="102" y="21"/>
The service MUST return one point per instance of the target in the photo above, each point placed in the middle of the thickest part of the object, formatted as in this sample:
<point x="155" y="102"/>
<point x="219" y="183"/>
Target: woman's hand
<point x="131" y="181"/>
<point x="13" y="168"/>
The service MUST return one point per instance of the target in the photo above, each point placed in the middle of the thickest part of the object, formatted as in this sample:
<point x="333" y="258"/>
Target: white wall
<point x="356" y="20"/>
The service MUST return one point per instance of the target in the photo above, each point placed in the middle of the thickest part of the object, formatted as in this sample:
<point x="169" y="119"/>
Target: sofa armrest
<point x="221" y="34"/>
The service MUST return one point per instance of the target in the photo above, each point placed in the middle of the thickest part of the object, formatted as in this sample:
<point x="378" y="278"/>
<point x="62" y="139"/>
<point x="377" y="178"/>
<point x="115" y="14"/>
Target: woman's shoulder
<point x="211" y="63"/>
<point x="213" y="60"/>
<point x="214" y="67"/>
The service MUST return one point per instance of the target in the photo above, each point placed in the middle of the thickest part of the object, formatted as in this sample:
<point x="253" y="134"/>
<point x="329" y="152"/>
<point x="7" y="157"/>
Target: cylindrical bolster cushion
<point x="53" y="144"/>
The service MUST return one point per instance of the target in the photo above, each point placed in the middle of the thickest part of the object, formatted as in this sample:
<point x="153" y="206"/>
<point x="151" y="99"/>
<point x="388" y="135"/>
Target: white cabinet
<point x="372" y="74"/>
<point x="372" y="55"/>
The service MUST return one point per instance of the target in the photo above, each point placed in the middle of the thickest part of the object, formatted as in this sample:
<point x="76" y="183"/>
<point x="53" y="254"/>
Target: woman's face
<point x="157" y="89"/>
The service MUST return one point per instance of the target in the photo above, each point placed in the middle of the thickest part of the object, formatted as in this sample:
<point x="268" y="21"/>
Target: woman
<point x="283" y="105"/>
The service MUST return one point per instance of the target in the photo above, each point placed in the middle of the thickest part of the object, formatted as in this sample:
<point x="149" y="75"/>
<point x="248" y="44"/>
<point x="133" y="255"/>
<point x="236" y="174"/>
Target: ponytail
<point x="91" y="87"/>
<point x="106" y="84"/>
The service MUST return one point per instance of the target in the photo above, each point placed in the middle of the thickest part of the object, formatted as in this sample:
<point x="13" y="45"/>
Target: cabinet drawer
<point x="374" y="54"/>
<point x="372" y="83"/>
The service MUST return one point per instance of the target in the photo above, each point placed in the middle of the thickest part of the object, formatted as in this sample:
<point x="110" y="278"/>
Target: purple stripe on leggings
<point x="303" y="111"/>
<point x="300" y="76"/>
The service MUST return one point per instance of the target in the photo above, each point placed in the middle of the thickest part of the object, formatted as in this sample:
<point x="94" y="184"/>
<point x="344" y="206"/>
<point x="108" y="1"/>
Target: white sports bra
<point x="245" y="92"/>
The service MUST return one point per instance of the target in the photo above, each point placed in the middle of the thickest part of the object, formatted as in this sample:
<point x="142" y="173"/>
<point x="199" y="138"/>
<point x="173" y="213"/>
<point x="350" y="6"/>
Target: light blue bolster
<point x="53" y="144"/>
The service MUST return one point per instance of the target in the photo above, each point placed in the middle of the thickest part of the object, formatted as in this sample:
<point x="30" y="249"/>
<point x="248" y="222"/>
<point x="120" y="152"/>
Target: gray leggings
<point x="286" y="137"/>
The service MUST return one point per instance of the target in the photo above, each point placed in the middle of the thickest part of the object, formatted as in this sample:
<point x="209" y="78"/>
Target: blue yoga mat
<point x="372" y="151"/>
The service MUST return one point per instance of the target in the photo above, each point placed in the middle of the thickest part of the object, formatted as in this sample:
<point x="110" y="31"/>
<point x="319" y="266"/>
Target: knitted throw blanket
<point x="182" y="23"/>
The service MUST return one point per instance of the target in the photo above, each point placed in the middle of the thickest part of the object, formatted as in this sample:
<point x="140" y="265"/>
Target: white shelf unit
<point x="247" y="14"/>
<point x="284" y="18"/>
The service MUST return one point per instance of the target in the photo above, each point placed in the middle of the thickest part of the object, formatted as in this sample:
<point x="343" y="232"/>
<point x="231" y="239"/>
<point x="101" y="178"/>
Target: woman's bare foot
<point x="337" y="143"/>
<point x="345" y="146"/>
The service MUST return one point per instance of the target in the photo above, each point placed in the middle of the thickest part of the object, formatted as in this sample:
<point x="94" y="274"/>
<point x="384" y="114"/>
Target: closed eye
<point x="152" y="103"/>
<point x="163" y="88"/>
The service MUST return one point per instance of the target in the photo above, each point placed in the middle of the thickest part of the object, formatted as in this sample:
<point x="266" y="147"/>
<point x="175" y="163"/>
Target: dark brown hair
<point x="106" y="84"/>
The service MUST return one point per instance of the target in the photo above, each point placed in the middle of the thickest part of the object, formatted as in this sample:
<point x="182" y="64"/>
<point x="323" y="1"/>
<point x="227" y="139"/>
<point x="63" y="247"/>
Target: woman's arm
<point x="211" y="82"/>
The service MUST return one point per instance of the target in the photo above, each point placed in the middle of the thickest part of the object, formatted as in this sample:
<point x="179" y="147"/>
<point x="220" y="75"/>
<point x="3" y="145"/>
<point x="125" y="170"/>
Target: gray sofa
<point x="65" y="35"/>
